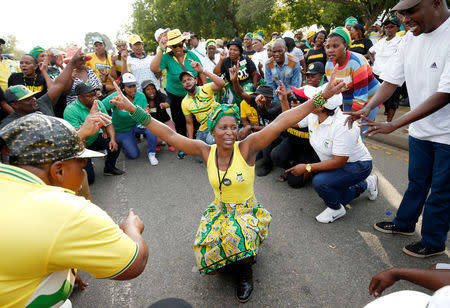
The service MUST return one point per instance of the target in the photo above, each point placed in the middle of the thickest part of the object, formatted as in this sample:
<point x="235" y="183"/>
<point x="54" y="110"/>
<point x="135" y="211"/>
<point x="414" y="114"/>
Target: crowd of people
<point x="284" y="100"/>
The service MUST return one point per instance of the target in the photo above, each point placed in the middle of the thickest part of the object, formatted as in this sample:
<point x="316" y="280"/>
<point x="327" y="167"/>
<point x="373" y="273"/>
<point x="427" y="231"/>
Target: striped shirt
<point x="360" y="83"/>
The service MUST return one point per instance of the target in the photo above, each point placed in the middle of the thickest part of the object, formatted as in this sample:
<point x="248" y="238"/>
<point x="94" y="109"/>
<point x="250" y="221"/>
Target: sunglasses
<point x="180" y="45"/>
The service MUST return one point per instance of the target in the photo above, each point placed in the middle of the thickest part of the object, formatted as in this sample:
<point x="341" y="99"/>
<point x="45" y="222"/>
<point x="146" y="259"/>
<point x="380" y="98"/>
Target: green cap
<point x="96" y="39"/>
<point x="36" y="51"/>
<point x="343" y="32"/>
<point x="18" y="93"/>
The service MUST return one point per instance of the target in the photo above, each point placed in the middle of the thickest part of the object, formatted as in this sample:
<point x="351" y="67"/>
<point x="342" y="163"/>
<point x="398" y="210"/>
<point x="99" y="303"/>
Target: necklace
<point x="225" y="181"/>
<point x="34" y="81"/>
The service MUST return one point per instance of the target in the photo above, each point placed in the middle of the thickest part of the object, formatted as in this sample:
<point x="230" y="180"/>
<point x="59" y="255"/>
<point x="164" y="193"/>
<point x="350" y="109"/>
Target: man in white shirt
<point x="423" y="61"/>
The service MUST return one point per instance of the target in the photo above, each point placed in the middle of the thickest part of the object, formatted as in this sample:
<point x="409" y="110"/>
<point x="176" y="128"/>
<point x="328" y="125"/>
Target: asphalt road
<point x="302" y="263"/>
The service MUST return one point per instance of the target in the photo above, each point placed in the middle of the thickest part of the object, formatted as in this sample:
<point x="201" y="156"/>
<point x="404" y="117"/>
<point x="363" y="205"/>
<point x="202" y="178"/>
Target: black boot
<point x="245" y="281"/>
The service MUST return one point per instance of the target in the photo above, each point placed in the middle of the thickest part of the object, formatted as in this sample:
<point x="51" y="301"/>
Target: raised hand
<point x="196" y="66"/>
<point x="281" y="91"/>
<point x="43" y="66"/>
<point x="355" y="115"/>
<point x="94" y="120"/>
<point x="223" y="55"/>
<point x="79" y="58"/>
<point x="333" y="86"/>
<point x="121" y="101"/>
<point x="376" y="127"/>
<point x="163" y="42"/>
<point x="234" y="71"/>
<point x="132" y="222"/>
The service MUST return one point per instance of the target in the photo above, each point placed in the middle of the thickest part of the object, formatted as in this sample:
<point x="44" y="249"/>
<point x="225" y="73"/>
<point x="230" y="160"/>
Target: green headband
<point x="220" y="112"/>
<point x="351" y="21"/>
<point x="257" y="37"/>
<point x="343" y="32"/>
<point x="36" y="51"/>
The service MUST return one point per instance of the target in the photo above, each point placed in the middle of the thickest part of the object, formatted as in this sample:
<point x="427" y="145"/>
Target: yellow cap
<point x="310" y="33"/>
<point x="134" y="38"/>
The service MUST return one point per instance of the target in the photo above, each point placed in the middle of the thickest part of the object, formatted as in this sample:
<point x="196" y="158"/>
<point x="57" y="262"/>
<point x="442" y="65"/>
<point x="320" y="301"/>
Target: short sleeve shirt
<point x="361" y="46"/>
<point x="250" y="113"/>
<point x="36" y="84"/>
<point x="62" y="232"/>
<point x="332" y="137"/>
<point x="76" y="114"/>
<point x="96" y="65"/>
<point x="174" y="69"/>
<point x="246" y="69"/>
<point x="201" y="105"/>
<point x="121" y="119"/>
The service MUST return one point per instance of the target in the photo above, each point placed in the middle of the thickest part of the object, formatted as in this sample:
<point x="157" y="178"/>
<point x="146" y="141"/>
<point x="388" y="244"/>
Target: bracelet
<point x="163" y="50"/>
<point x="141" y="116"/>
<point x="318" y="100"/>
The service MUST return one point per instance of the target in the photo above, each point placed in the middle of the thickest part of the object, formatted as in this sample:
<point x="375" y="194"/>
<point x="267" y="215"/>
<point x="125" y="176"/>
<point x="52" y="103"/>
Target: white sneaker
<point x="372" y="186"/>
<point x="152" y="159"/>
<point x="330" y="215"/>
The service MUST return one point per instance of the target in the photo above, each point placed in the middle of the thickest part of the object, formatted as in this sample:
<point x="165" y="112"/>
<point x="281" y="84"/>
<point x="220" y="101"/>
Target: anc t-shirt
<point x="361" y="46"/>
<point x="36" y="84"/>
<point x="201" y="105"/>
<point x="174" y="69"/>
<point x="121" y="119"/>
<point x="47" y="229"/>
<point x="246" y="69"/>
<point x="316" y="55"/>
<point x="76" y="114"/>
<point x="96" y="64"/>
<point x="250" y="113"/>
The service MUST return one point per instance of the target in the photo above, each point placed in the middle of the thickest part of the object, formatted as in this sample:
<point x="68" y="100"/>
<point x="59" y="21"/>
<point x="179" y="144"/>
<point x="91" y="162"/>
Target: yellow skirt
<point x="229" y="233"/>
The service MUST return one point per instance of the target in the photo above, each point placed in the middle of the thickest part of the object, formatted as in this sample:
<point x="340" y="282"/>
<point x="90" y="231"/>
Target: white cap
<point x="128" y="79"/>
<point x="159" y="32"/>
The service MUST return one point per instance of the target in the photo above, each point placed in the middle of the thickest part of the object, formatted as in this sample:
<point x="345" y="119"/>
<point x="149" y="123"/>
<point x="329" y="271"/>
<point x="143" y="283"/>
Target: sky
<point x="51" y="23"/>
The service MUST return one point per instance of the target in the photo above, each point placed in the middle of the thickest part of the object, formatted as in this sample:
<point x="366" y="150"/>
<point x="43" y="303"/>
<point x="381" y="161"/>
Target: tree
<point x="90" y="44"/>
<point x="11" y="46"/>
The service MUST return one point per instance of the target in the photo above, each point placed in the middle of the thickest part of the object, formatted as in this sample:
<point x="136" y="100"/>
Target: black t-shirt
<point x="249" y="53"/>
<point x="265" y="116"/>
<point x="305" y="48"/>
<point x="361" y="46"/>
<point x="36" y="84"/>
<point x="316" y="55"/>
<point x="158" y="113"/>
<point x="246" y="68"/>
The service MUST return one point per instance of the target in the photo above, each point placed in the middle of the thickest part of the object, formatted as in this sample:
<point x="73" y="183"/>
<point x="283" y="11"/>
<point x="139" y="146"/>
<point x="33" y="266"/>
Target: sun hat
<point x="134" y="38"/>
<point x="40" y="139"/>
<point x="17" y="93"/>
<point x="237" y="42"/>
<point x="175" y="37"/>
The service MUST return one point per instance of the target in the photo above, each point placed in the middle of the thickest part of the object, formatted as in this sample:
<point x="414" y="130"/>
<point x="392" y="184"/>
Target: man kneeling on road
<point x="76" y="114"/>
<point x="199" y="101"/>
<point x="48" y="232"/>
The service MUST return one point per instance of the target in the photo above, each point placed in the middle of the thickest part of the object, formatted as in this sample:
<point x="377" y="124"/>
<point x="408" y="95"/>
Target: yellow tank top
<point x="240" y="175"/>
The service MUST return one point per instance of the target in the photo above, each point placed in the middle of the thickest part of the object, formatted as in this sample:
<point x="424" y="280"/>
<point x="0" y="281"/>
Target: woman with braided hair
<point x="234" y="225"/>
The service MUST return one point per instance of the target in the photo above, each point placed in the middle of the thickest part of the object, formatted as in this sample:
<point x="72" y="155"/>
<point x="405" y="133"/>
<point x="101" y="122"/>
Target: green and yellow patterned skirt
<point x="229" y="233"/>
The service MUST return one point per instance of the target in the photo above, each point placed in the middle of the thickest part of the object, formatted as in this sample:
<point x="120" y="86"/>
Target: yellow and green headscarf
<point x="257" y="37"/>
<point x="36" y="51"/>
<point x="343" y="32"/>
<point x="220" y="112"/>
<point x="350" y="21"/>
<point x="210" y="42"/>
<point x="249" y="34"/>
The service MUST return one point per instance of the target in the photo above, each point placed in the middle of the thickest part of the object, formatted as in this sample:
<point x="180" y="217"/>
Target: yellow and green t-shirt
<point x="96" y="64"/>
<point x="200" y="105"/>
<point x="47" y="229"/>
<point x="250" y="113"/>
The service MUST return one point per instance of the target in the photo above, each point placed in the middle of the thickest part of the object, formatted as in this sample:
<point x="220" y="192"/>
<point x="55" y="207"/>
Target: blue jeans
<point x="111" y="158"/>
<point x="340" y="186"/>
<point x="372" y="115"/>
<point x="429" y="167"/>
<point x="206" y="137"/>
<point x="129" y="145"/>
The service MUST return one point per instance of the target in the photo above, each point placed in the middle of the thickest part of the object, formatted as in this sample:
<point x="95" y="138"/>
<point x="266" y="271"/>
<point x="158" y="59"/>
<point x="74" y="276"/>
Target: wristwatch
<point x="308" y="167"/>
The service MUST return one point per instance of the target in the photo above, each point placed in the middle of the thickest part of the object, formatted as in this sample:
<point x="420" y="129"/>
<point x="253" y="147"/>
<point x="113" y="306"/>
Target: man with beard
<point x="199" y="101"/>
<point x="428" y="80"/>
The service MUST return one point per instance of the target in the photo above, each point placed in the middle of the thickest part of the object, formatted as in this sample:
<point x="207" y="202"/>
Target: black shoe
<point x="245" y="282"/>
<point x="264" y="169"/>
<point x="181" y="155"/>
<point x="389" y="227"/>
<point x="114" y="171"/>
<point x="419" y="251"/>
